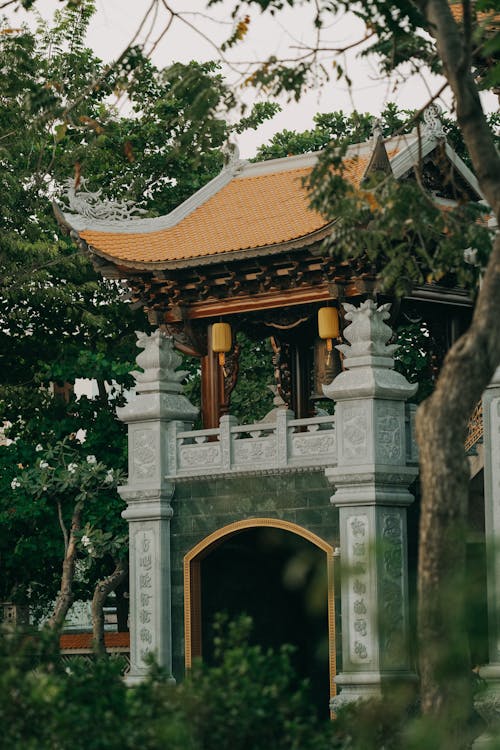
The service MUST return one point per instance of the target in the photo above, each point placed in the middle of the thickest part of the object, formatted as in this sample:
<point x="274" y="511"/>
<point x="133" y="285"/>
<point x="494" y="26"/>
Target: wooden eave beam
<point x="264" y="301"/>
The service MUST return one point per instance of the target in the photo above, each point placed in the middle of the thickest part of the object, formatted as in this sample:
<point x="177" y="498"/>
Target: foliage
<point x="31" y="544"/>
<point x="252" y="398"/>
<point x="44" y="705"/>
<point x="395" y="35"/>
<point x="59" y="320"/>
<point x="395" y="231"/>
<point x="357" y="127"/>
<point x="413" y="358"/>
<point x="49" y="486"/>
<point x="250" y="699"/>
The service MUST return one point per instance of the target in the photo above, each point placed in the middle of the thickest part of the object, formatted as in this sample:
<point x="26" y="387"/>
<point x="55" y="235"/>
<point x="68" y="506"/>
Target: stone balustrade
<point x="264" y="447"/>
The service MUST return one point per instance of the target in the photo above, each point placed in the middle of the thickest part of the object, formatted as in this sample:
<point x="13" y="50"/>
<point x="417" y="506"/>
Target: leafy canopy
<point x="59" y="320"/>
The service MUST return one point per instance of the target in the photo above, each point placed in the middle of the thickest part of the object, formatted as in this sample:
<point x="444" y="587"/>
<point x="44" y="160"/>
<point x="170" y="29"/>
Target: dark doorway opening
<point x="281" y="580"/>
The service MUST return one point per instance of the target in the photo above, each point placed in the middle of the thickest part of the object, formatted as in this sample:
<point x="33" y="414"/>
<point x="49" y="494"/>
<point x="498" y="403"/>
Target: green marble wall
<point x="202" y="507"/>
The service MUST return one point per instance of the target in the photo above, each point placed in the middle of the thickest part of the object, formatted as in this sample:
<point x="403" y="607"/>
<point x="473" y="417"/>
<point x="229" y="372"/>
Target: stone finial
<point x="159" y="361"/>
<point x="368" y="336"/>
<point x="368" y="358"/>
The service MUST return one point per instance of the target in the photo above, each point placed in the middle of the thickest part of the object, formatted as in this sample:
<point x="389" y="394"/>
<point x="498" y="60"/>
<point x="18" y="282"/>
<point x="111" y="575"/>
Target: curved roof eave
<point x="235" y="255"/>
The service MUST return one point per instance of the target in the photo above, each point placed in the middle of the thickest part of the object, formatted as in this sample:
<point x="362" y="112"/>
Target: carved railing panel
<point x="288" y="443"/>
<point x="475" y="429"/>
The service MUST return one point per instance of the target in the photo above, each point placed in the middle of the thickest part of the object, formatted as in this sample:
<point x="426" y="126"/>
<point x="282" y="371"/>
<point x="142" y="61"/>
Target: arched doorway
<point x="280" y="574"/>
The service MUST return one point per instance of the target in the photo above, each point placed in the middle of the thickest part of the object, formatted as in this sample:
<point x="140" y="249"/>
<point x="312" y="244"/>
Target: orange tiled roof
<point x="457" y="13"/>
<point x="248" y="212"/>
<point x="84" y="640"/>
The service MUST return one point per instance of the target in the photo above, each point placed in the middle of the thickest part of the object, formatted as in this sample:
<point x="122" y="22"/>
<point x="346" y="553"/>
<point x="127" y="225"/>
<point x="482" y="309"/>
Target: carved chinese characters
<point x="358" y="581"/>
<point x="145" y="628"/>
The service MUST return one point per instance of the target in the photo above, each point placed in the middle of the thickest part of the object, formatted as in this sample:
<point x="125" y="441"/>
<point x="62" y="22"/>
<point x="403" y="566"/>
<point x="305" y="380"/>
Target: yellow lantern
<point x="328" y="326"/>
<point x="222" y="340"/>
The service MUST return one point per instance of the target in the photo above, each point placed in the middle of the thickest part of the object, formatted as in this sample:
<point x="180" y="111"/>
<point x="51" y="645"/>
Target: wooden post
<point x="301" y="386"/>
<point x="212" y="386"/>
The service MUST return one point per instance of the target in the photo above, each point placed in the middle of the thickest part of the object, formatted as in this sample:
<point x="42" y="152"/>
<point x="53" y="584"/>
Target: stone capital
<point x="157" y="406"/>
<point x="147" y="505"/>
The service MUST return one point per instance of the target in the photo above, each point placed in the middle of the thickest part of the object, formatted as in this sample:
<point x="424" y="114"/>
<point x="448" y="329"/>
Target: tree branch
<point x="102" y="590"/>
<point x="63" y="526"/>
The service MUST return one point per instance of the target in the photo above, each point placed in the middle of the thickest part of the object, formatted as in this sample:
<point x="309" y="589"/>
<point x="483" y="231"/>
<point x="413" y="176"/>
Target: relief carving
<point x="389" y="437"/>
<point x="392" y="589"/>
<point x="254" y="450"/>
<point x="305" y="445"/>
<point x="282" y="369"/>
<point x="354" y="433"/>
<point x="143" y="454"/>
<point x="194" y="456"/>
<point x="358" y="607"/>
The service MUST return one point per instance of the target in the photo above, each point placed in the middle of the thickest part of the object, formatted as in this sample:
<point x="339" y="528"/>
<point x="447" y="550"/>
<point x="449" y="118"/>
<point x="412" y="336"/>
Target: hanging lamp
<point x="222" y="339"/>
<point x="328" y="326"/>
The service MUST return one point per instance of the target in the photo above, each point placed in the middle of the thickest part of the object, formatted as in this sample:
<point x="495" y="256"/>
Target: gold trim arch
<point x="192" y="587"/>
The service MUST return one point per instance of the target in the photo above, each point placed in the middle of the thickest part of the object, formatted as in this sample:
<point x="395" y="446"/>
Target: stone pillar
<point x="488" y="703"/>
<point x="153" y="416"/>
<point x="371" y="482"/>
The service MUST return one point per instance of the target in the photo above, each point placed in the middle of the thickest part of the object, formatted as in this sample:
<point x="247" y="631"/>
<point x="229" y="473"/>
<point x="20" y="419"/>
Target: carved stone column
<point x="488" y="703"/>
<point x="371" y="483"/>
<point x="152" y="416"/>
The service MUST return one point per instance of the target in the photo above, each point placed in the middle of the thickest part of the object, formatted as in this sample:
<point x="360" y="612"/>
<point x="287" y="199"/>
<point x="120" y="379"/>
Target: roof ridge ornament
<point x="92" y="206"/>
<point x="433" y="125"/>
<point x="376" y="129"/>
<point x="379" y="160"/>
<point x="231" y="154"/>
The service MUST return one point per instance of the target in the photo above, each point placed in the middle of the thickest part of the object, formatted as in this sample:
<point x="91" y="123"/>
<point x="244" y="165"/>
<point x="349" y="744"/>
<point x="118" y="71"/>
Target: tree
<point x="61" y="478"/>
<point x="251" y="698"/>
<point x="59" y="319"/>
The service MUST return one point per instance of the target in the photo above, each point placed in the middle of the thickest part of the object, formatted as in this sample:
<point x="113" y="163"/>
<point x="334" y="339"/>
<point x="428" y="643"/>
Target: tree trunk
<point x="122" y="606"/>
<point x="65" y="596"/>
<point x="101" y="388"/>
<point x="442" y="423"/>
<point x="101" y="592"/>
<point x="441" y="430"/>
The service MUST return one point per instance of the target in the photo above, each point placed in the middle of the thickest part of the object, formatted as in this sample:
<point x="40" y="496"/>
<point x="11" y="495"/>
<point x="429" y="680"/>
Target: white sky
<point x="116" y="22"/>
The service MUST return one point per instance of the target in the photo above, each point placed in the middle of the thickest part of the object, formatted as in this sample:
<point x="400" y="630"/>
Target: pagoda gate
<point x="219" y="516"/>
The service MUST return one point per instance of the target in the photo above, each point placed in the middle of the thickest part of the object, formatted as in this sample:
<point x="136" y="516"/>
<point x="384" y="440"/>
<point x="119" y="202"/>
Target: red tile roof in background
<point x="84" y="640"/>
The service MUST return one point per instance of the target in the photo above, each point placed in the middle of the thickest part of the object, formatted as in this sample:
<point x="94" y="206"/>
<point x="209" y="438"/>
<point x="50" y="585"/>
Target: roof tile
<point x="248" y="212"/>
